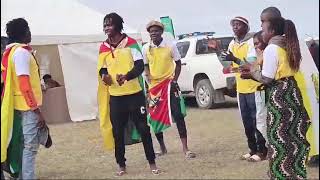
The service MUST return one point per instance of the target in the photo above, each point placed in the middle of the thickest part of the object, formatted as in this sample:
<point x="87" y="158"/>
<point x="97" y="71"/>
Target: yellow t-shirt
<point x="121" y="62"/>
<point x="161" y="60"/>
<point x="284" y="69"/>
<point x="244" y="50"/>
<point x="276" y="64"/>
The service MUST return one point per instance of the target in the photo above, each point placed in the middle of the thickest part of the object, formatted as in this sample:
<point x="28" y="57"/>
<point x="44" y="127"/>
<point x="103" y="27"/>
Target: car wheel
<point x="204" y="94"/>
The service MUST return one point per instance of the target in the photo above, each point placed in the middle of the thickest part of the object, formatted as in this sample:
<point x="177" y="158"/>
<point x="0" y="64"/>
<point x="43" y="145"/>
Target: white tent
<point x="54" y="17"/>
<point x="66" y="36"/>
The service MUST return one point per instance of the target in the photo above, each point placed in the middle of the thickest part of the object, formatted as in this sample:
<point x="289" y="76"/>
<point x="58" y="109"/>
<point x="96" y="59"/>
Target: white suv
<point x="202" y="70"/>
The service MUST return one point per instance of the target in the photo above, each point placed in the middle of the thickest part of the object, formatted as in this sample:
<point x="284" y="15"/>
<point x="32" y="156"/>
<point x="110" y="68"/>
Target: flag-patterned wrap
<point x="11" y="128"/>
<point x="159" y="117"/>
<point x="131" y="136"/>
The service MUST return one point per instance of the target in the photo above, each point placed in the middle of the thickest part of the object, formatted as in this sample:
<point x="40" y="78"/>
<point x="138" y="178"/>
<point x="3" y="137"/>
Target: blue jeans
<point x="31" y="139"/>
<point x="251" y="110"/>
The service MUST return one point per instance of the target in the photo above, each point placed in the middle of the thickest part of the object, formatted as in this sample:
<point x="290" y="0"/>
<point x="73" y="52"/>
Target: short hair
<point x="46" y="76"/>
<point x="17" y="29"/>
<point x="274" y="12"/>
<point x="116" y="20"/>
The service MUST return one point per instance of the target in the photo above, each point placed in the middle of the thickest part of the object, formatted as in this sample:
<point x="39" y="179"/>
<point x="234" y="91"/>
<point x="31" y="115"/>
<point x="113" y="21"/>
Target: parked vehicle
<point x="202" y="69"/>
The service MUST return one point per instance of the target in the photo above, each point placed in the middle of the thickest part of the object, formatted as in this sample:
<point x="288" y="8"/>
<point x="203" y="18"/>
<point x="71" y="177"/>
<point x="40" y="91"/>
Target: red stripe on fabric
<point x="131" y="41"/>
<point x="104" y="48"/>
<point x="4" y="62"/>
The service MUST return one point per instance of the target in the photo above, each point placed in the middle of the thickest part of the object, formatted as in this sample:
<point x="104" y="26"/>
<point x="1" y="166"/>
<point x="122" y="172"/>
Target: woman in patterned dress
<point x="287" y="119"/>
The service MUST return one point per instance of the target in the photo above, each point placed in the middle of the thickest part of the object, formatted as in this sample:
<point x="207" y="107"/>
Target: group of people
<point x="270" y="102"/>
<point x="121" y="65"/>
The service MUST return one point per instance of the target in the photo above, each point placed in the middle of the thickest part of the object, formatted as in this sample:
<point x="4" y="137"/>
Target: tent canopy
<point x="56" y="21"/>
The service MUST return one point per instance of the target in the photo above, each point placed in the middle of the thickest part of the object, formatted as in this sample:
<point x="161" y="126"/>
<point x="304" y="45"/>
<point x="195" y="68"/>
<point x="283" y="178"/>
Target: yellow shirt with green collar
<point x="161" y="60"/>
<point x="244" y="50"/>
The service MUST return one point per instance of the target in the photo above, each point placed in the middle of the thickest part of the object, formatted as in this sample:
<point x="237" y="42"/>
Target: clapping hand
<point x="121" y="79"/>
<point x="106" y="78"/>
<point x="228" y="56"/>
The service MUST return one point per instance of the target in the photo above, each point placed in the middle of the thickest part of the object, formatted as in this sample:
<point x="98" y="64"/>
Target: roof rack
<point x="181" y="36"/>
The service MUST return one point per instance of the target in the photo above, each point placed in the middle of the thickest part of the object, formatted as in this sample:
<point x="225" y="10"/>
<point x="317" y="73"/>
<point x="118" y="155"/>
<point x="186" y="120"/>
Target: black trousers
<point x="176" y="114"/>
<point x="2" y="175"/>
<point x="121" y="108"/>
<point x="256" y="141"/>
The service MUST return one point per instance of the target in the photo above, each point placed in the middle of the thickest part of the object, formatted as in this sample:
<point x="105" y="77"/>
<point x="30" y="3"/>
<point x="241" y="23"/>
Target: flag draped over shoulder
<point x="11" y="127"/>
<point x="103" y="106"/>
<point x="159" y="108"/>
<point x="131" y="134"/>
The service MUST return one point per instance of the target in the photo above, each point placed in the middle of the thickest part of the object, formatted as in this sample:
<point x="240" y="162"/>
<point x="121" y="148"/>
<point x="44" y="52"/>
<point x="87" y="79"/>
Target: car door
<point x="184" y="78"/>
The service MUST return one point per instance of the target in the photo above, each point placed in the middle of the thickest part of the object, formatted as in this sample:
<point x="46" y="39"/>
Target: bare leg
<point x="160" y="139"/>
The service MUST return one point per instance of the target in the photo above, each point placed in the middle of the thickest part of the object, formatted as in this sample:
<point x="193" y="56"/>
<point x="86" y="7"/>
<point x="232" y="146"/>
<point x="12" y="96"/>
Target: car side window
<point x="225" y="42"/>
<point x="203" y="48"/>
<point x="183" y="48"/>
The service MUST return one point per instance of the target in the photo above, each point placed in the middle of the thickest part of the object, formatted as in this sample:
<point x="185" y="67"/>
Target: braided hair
<point x="116" y="20"/>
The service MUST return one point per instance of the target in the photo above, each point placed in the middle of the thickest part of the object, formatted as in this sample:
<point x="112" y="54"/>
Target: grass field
<point x="216" y="136"/>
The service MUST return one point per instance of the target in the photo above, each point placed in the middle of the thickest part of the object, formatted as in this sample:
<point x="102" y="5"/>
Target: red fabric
<point x="104" y="48"/>
<point x="4" y="63"/>
<point x="131" y="41"/>
<point x="26" y="89"/>
<point x="160" y="95"/>
<point x="226" y="70"/>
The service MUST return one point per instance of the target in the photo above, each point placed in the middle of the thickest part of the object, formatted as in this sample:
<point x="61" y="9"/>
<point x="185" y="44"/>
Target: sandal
<point x="156" y="171"/>
<point x="120" y="173"/>
<point x="257" y="158"/>
<point x="190" y="155"/>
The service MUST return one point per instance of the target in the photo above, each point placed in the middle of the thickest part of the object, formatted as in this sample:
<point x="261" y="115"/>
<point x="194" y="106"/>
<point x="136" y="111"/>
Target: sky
<point x="210" y="15"/>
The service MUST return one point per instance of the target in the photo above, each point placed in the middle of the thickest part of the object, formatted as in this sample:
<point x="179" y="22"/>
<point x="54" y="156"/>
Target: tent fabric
<point x="55" y="17"/>
<point x="66" y="48"/>
<point x="79" y="63"/>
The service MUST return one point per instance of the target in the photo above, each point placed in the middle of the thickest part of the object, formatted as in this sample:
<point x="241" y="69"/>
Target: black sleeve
<point x="103" y="71"/>
<point x="136" y="71"/>
<point x="238" y="61"/>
